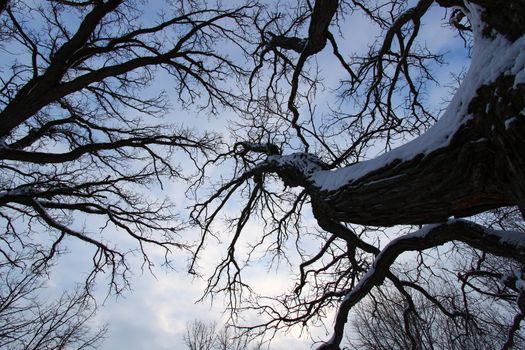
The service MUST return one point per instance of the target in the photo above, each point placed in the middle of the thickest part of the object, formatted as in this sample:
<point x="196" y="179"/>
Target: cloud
<point x="154" y="313"/>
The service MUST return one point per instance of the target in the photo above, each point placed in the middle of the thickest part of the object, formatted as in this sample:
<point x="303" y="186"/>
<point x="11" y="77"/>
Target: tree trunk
<point x="480" y="167"/>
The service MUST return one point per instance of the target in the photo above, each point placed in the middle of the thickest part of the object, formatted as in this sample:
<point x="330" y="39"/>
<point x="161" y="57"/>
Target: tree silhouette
<point x="81" y="139"/>
<point x="82" y="146"/>
<point x="468" y="162"/>
<point x="29" y="320"/>
<point x="202" y="335"/>
<point x="478" y="313"/>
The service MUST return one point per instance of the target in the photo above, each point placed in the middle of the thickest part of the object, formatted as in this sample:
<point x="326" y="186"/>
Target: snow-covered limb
<point x="241" y="148"/>
<point x="455" y="168"/>
<point x="469" y="162"/>
<point x="491" y="59"/>
<point x="501" y="243"/>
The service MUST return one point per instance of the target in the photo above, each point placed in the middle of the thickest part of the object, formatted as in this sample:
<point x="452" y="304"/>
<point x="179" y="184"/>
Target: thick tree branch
<point x="28" y="99"/>
<point x="501" y="243"/>
<point x="49" y="87"/>
<point x="94" y="148"/>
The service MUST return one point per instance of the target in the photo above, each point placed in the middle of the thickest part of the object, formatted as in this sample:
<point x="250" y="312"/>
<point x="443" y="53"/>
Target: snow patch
<point x="491" y="57"/>
<point x="306" y="163"/>
<point x="509" y="121"/>
<point x="513" y="238"/>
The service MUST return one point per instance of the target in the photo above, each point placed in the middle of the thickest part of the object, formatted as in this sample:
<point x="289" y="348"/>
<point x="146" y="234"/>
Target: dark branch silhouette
<point x="464" y="161"/>
<point x="81" y="141"/>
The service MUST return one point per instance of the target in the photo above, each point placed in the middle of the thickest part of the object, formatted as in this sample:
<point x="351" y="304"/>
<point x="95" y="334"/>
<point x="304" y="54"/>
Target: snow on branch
<point x="502" y="243"/>
<point x="491" y="58"/>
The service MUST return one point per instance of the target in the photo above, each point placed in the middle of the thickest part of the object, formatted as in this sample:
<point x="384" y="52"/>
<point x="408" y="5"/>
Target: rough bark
<point x="482" y="167"/>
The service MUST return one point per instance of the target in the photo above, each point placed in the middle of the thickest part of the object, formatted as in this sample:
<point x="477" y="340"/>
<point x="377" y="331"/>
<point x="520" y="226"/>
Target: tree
<point x="81" y="141"/>
<point x="204" y="336"/>
<point x="200" y="335"/>
<point x="468" y="162"/>
<point x="84" y="137"/>
<point x="229" y="338"/>
<point x="467" y="316"/>
<point x="30" y="321"/>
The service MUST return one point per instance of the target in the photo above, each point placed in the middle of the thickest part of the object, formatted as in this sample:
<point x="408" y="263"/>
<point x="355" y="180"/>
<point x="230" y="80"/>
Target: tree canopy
<point x="79" y="135"/>
<point x="466" y="161"/>
<point x="86" y="135"/>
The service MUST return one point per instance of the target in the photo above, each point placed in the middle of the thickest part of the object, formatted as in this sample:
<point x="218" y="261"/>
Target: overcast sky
<point x="154" y="313"/>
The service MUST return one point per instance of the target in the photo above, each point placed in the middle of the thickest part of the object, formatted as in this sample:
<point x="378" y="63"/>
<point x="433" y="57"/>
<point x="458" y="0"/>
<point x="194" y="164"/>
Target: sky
<point x="153" y="314"/>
